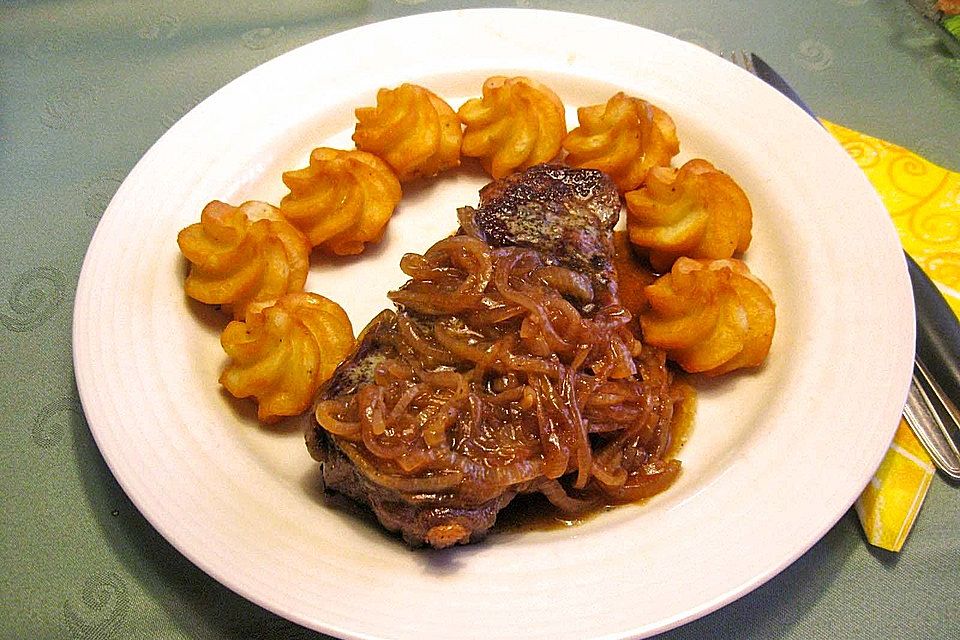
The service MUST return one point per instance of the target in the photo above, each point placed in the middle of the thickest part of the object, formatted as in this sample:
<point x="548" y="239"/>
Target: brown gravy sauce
<point x="533" y="512"/>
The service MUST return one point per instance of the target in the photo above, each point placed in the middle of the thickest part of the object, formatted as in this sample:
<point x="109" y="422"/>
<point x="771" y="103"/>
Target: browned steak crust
<point x="566" y="214"/>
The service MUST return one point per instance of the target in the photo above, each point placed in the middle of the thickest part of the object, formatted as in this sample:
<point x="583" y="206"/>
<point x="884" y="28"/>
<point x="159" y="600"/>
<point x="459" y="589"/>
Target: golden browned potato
<point x="711" y="316"/>
<point x="695" y="211"/>
<point x="281" y="354"/>
<point x="412" y="129"/>
<point x="342" y="200"/>
<point x="517" y="123"/>
<point x="624" y="138"/>
<point x="243" y="257"/>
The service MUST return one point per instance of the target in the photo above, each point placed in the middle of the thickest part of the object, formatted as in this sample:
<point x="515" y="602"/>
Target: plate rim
<point x="85" y="385"/>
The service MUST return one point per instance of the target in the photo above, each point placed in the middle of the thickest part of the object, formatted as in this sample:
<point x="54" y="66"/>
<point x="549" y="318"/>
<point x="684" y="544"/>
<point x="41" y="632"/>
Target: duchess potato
<point x="695" y="211"/>
<point x="342" y="200"/>
<point x="517" y="123"/>
<point x="711" y="316"/>
<point x="281" y="354"/>
<point x="624" y="138"/>
<point x="243" y="257"/>
<point x="412" y="129"/>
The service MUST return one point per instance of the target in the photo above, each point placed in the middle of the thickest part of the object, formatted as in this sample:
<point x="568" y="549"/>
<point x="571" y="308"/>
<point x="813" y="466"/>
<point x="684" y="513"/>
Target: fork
<point x="742" y="59"/>
<point x="928" y="410"/>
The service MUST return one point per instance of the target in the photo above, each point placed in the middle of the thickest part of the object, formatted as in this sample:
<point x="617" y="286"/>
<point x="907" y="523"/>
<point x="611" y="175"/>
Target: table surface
<point x="89" y="85"/>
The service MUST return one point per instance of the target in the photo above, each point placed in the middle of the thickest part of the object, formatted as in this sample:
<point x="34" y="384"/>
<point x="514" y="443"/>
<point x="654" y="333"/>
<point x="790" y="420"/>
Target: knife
<point x="931" y="409"/>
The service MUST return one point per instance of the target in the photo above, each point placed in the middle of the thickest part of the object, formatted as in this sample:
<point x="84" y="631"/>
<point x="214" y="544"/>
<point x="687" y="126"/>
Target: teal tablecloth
<point x="89" y="85"/>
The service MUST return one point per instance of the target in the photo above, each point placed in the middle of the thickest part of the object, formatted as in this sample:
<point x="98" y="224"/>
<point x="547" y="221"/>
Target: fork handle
<point x="923" y="414"/>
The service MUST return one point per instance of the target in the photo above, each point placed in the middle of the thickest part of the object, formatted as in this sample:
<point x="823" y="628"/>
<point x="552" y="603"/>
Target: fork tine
<point x="736" y="57"/>
<point x="741" y="58"/>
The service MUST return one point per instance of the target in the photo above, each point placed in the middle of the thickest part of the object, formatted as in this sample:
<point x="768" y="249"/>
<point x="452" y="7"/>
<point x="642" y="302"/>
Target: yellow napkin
<point x="890" y="503"/>
<point x="924" y="202"/>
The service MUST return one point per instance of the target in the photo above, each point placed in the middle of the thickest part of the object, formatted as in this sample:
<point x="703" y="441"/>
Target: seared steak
<point x="564" y="218"/>
<point x="566" y="214"/>
<point x="421" y="519"/>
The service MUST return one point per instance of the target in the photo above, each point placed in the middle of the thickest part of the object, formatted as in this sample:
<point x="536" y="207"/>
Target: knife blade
<point x="766" y="73"/>
<point x="934" y="395"/>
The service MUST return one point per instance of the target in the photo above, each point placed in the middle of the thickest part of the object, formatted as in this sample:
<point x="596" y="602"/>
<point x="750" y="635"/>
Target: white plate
<point x="775" y="458"/>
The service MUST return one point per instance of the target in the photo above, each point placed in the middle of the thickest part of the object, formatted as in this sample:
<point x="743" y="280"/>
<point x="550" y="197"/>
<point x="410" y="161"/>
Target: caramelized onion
<point x="566" y="282"/>
<point x="434" y="483"/>
<point x="325" y="418"/>
<point x="537" y="312"/>
<point x="418" y="297"/>
<point x="463" y="345"/>
<point x="505" y="375"/>
<point x="468" y="254"/>
<point x="555" y="493"/>
<point x="421" y="344"/>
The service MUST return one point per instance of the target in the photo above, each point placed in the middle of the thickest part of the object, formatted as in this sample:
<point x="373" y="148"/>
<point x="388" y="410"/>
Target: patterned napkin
<point x="924" y="202"/>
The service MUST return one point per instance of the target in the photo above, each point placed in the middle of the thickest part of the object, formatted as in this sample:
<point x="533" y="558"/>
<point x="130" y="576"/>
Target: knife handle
<point x="938" y="332"/>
